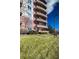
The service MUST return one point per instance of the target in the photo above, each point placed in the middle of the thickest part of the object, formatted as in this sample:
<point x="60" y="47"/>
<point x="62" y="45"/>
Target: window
<point x="20" y="4"/>
<point x="29" y="1"/>
<point x="20" y="24"/>
<point x="20" y="13"/>
<point x="29" y="29"/>
<point x="29" y="8"/>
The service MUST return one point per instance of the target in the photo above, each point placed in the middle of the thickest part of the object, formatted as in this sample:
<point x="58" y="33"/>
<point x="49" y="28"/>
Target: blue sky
<point x="53" y="9"/>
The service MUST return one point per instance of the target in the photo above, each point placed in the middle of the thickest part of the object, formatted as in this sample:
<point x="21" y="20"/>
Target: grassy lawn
<point x="39" y="47"/>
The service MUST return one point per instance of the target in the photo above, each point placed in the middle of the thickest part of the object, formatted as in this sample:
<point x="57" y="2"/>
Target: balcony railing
<point x="42" y="14"/>
<point x="43" y="31"/>
<point x="39" y="14"/>
<point x="40" y="2"/>
<point x="41" y="8"/>
<point x="41" y="20"/>
<point x="44" y="1"/>
<point x="42" y="26"/>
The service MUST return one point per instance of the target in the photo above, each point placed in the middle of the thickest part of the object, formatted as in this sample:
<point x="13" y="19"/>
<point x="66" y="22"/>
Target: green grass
<point x="39" y="47"/>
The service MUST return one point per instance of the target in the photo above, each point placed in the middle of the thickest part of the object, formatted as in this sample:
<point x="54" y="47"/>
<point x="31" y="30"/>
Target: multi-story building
<point x="35" y="10"/>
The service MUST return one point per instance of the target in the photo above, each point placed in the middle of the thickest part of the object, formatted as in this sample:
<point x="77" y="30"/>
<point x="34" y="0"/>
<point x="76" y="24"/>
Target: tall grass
<point x="39" y="47"/>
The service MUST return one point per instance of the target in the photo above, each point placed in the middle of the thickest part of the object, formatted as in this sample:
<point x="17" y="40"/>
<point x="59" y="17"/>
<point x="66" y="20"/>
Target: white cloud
<point x="50" y="5"/>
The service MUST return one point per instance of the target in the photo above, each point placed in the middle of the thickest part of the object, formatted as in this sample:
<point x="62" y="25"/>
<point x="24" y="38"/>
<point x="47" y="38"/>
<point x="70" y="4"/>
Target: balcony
<point x="41" y="20"/>
<point x="40" y="8"/>
<point x="41" y="14"/>
<point x="43" y="31"/>
<point x="44" y="1"/>
<point x="40" y="3"/>
<point x="42" y="26"/>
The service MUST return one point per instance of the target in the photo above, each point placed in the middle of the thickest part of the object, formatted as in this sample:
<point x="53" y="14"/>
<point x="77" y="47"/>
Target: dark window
<point x="29" y="29"/>
<point x="20" y="4"/>
<point x="29" y="8"/>
<point x="29" y="1"/>
<point x="20" y="13"/>
<point x="20" y="24"/>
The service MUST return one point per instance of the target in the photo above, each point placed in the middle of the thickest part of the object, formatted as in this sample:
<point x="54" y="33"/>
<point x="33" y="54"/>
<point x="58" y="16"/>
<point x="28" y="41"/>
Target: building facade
<point x="36" y="12"/>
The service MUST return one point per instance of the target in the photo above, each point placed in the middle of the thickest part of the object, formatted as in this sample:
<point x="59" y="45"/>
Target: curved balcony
<point x="42" y="26"/>
<point x="43" y="31"/>
<point x="38" y="8"/>
<point x="40" y="3"/>
<point x="44" y="1"/>
<point x="41" y="20"/>
<point x="40" y="14"/>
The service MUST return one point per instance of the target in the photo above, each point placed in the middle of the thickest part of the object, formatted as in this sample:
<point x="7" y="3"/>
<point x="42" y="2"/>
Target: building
<point x="36" y="12"/>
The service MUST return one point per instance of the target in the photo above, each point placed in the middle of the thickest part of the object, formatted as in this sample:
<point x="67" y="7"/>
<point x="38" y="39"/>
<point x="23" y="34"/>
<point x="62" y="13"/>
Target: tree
<point x="51" y="30"/>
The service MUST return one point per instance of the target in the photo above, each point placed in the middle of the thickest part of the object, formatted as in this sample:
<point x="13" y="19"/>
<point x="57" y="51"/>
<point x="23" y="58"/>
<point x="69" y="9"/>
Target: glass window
<point x="29" y="8"/>
<point x="20" y="4"/>
<point x="29" y="1"/>
<point x="20" y="13"/>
